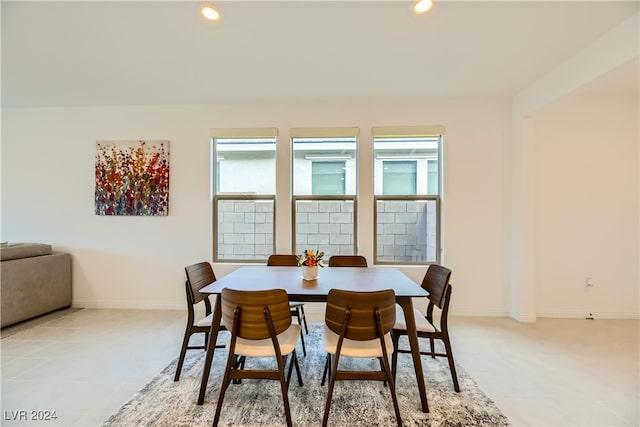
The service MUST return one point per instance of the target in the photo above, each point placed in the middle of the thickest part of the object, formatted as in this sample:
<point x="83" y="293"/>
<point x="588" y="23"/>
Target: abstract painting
<point x="132" y="178"/>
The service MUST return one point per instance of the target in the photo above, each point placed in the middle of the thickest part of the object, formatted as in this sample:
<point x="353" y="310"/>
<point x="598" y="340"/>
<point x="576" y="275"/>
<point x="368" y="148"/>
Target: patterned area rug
<point x="164" y="402"/>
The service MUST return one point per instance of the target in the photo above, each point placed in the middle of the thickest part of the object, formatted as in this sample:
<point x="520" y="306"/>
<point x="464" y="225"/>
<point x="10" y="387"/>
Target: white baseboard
<point x="478" y="313"/>
<point x="129" y="305"/>
<point x="316" y="310"/>
<point x="575" y="314"/>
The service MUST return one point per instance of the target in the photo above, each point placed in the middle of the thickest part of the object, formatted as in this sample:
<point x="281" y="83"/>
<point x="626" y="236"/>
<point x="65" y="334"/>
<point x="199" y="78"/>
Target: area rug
<point x="164" y="402"/>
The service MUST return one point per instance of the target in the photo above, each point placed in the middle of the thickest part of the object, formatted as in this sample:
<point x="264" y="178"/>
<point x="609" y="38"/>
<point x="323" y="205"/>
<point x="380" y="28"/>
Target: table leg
<point x="213" y="337"/>
<point x="412" y="334"/>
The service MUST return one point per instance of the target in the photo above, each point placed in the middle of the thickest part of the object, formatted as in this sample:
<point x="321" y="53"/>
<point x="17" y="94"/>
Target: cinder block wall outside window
<point x="325" y="225"/>
<point x="406" y="230"/>
<point x="245" y="229"/>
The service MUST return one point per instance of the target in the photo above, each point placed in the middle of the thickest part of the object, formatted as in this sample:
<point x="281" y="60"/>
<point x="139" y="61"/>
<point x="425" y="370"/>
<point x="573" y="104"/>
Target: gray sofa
<point x="34" y="280"/>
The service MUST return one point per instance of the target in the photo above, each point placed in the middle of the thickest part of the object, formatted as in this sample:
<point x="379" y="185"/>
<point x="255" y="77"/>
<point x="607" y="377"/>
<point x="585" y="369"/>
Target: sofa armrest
<point x="34" y="286"/>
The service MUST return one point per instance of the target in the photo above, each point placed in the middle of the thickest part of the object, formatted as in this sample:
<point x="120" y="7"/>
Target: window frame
<point x="329" y="132"/>
<point x="237" y="133"/>
<point x="408" y="132"/>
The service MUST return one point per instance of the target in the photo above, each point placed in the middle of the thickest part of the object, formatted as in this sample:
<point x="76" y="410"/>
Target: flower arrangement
<point x="311" y="258"/>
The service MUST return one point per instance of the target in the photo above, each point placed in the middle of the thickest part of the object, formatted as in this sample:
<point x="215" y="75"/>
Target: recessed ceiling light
<point x="210" y="13"/>
<point x="422" y="6"/>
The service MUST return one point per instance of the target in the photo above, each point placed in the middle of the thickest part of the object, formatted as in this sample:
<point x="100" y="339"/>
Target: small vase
<point x="309" y="272"/>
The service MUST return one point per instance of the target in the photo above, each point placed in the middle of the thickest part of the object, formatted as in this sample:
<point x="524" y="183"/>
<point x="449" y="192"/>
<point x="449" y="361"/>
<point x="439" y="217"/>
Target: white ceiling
<point x="88" y="53"/>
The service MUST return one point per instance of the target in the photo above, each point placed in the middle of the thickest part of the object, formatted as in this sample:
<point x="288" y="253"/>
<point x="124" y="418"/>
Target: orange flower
<point x="311" y="258"/>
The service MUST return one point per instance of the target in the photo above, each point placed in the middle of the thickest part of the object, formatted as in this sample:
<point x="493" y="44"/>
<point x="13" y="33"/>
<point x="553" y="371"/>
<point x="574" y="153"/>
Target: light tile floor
<point x="555" y="372"/>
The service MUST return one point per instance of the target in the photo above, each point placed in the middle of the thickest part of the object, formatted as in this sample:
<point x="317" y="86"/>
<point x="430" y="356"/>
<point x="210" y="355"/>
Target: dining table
<point x="261" y="277"/>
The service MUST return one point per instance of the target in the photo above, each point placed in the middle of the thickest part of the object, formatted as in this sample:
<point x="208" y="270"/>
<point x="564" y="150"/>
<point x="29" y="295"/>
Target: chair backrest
<point x="198" y="276"/>
<point x="347" y="261"/>
<point x="283" y="260"/>
<point x="252" y="307"/>
<point x="363" y="306"/>
<point x="435" y="282"/>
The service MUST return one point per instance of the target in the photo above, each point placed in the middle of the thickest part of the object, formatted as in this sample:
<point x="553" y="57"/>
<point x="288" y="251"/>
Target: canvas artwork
<point x="132" y="178"/>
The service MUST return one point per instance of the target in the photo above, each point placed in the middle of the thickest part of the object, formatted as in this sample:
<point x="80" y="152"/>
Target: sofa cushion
<point x="24" y="250"/>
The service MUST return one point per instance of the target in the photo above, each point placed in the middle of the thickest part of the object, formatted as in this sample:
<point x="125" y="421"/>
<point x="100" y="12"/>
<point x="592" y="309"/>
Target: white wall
<point x="614" y="50"/>
<point x="586" y="215"/>
<point x="47" y="191"/>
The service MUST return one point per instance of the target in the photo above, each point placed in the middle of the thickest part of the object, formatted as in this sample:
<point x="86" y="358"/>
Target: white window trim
<point x="237" y="133"/>
<point x="408" y="132"/>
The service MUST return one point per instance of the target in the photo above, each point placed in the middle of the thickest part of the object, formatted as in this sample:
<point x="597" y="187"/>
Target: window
<point x="432" y="177"/>
<point x="399" y="177"/>
<point x="318" y="199"/>
<point x="407" y="186"/>
<point x="327" y="177"/>
<point x="324" y="177"/>
<point x="244" y="209"/>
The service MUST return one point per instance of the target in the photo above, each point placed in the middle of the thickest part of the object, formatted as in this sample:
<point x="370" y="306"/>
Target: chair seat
<point x="294" y="304"/>
<point x="422" y="324"/>
<point x="206" y="321"/>
<point x="264" y="348"/>
<point x="351" y="348"/>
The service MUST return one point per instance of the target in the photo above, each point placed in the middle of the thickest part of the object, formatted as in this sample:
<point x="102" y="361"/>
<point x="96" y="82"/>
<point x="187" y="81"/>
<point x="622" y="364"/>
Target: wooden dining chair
<point x="358" y="324"/>
<point x="347" y="261"/>
<point x="436" y="282"/>
<point x="297" y="307"/>
<point x="198" y="276"/>
<point x="260" y="327"/>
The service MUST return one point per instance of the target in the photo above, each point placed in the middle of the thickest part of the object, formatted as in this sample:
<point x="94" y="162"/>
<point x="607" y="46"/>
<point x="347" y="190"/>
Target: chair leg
<point x="384" y="383"/>
<point x="289" y="371"/>
<point x="433" y="348"/>
<point x="285" y="388"/>
<point x="238" y="364"/>
<point x="301" y="319"/>
<point x="387" y="369"/>
<point x="452" y="366"/>
<point x="304" y="319"/>
<point x="395" y="337"/>
<point x="327" y="405"/>
<point x="232" y="361"/>
<point x="295" y="361"/>
<point x="183" y="352"/>
<point x="292" y="364"/>
<point x="304" y="348"/>
<point x="326" y="369"/>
